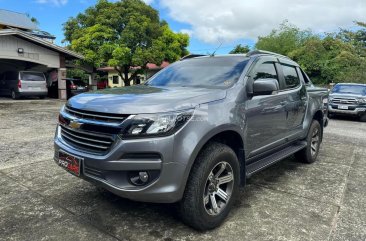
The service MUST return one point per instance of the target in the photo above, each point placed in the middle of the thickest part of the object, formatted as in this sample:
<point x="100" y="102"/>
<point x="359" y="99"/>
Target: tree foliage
<point x="334" y="57"/>
<point x="123" y="34"/>
<point x="240" y="49"/>
<point x="284" y="40"/>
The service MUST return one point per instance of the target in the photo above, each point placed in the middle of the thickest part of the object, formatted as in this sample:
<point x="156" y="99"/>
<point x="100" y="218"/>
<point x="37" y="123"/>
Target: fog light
<point x="144" y="177"/>
<point x="139" y="178"/>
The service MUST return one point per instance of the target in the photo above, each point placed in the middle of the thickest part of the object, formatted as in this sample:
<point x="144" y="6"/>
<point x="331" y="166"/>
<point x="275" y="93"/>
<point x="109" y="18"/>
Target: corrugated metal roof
<point x="17" y="20"/>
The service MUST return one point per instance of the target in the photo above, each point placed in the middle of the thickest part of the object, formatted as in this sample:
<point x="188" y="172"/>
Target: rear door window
<point x="32" y="76"/>
<point x="292" y="80"/>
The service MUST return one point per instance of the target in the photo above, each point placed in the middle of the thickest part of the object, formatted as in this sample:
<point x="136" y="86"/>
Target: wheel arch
<point x="228" y="135"/>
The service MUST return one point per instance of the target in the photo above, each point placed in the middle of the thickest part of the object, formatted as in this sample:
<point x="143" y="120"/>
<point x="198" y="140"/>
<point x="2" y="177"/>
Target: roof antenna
<point x="213" y="54"/>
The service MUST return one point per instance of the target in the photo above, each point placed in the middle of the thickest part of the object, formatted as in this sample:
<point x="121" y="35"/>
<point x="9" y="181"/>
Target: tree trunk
<point x="126" y="70"/>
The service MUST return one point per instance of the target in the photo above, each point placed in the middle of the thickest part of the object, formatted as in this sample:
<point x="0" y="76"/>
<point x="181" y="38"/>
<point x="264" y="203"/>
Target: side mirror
<point x="265" y="86"/>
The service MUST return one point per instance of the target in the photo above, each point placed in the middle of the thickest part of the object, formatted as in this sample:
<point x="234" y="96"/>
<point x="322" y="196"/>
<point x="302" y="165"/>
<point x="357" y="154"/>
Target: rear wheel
<point x="212" y="187"/>
<point x="42" y="97"/>
<point x="14" y="95"/>
<point x="313" y="139"/>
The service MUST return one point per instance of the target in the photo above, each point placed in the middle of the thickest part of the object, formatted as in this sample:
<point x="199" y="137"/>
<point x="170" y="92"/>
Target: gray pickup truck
<point x="194" y="132"/>
<point x="348" y="99"/>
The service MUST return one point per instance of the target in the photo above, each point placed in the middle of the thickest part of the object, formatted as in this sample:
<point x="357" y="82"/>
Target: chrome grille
<point x="346" y="101"/>
<point x="95" y="116"/>
<point x="89" y="141"/>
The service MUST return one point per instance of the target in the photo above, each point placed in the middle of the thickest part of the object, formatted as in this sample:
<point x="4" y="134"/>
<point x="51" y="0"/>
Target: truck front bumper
<point x="126" y="157"/>
<point x="355" y="111"/>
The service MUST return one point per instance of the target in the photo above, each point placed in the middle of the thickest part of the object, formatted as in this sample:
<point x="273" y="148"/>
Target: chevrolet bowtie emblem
<point x="75" y="125"/>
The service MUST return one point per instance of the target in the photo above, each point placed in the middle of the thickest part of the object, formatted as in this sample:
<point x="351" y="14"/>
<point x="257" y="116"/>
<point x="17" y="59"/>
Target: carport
<point x="20" y="50"/>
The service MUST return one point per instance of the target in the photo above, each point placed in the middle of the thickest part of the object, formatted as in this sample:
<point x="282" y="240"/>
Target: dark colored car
<point x="75" y="87"/>
<point x="194" y="132"/>
<point x="348" y="99"/>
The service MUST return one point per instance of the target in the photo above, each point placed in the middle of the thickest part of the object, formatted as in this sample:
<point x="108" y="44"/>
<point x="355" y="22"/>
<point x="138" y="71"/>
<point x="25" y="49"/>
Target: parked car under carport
<point x="75" y="87"/>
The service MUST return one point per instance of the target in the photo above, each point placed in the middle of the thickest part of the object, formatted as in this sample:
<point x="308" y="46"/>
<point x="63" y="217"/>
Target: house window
<point x="115" y="80"/>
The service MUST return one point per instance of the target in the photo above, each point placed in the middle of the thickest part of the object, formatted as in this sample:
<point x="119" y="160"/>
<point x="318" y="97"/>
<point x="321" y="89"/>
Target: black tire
<point x="14" y="95"/>
<point x="363" y="118"/>
<point x="310" y="153"/>
<point x="192" y="208"/>
<point x="42" y="97"/>
<point x="330" y="116"/>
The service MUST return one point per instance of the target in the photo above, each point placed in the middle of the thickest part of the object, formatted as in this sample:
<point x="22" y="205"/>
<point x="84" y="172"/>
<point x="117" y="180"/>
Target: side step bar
<point x="274" y="158"/>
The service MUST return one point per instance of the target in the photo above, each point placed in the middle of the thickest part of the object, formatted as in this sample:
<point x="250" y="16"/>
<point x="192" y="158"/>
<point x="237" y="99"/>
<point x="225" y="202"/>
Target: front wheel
<point x="212" y="187"/>
<point x="313" y="139"/>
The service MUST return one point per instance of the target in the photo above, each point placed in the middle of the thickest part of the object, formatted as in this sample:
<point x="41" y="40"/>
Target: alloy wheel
<point x="315" y="141"/>
<point x="218" y="189"/>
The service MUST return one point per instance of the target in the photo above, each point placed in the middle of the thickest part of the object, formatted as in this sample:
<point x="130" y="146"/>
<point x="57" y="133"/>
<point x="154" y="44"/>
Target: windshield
<point x="350" y="89"/>
<point x="32" y="76"/>
<point x="220" y="72"/>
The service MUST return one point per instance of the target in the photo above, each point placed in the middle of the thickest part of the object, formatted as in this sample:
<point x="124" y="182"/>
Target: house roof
<point x="148" y="66"/>
<point x="46" y="44"/>
<point x="154" y="66"/>
<point x="17" y="20"/>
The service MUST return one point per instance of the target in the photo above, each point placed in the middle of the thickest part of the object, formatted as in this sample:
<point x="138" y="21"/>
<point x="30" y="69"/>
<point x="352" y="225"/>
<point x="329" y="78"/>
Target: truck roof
<point x="248" y="55"/>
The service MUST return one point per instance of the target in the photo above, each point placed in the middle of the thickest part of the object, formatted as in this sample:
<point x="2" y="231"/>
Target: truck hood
<point x="145" y="99"/>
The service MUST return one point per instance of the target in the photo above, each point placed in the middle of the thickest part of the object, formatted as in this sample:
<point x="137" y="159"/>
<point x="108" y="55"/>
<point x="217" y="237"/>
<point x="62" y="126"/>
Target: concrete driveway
<point x="289" y="201"/>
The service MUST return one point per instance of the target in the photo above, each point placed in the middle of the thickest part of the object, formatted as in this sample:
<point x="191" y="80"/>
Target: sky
<point x="211" y="23"/>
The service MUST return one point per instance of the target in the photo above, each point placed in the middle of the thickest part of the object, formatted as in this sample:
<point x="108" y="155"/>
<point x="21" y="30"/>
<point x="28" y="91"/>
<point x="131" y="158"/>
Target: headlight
<point x="362" y="100"/>
<point x="148" y="125"/>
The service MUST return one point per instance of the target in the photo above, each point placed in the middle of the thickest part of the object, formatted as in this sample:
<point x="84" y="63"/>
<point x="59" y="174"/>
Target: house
<point x="24" y="47"/>
<point x="114" y="80"/>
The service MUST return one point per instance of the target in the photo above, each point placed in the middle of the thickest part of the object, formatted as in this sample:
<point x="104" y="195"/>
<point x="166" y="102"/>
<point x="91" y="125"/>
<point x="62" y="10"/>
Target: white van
<point x="23" y="83"/>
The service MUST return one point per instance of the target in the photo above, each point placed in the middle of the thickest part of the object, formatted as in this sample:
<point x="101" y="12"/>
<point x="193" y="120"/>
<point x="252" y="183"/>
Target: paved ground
<point x="289" y="201"/>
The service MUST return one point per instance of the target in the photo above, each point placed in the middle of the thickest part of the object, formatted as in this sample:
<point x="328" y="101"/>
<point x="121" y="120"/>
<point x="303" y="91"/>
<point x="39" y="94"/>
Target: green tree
<point x="334" y="57"/>
<point x="284" y="40"/>
<point x="240" y="49"/>
<point x="123" y="34"/>
<point x="330" y="59"/>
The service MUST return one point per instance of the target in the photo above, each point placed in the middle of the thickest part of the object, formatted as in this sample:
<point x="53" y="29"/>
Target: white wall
<point x="33" y="53"/>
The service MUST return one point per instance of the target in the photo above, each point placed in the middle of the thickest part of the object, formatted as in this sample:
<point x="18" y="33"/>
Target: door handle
<point x="283" y="103"/>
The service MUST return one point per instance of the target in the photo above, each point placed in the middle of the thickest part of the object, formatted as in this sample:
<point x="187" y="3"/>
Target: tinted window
<point x="291" y="78"/>
<point x="78" y="82"/>
<point x="266" y="71"/>
<point x="218" y="72"/>
<point x="32" y="76"/>
<point x="349" y="89"/>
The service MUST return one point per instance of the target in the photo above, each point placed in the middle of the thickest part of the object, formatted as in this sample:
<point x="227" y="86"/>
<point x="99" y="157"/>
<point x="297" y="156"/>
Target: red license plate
<point x="69" y="162"/>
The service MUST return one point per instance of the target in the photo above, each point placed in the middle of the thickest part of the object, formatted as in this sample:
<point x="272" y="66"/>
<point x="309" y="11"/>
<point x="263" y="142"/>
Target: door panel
<point x="265" y="114"/>
<point x="266" y="122"/>
<point x="297" y="99"/>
